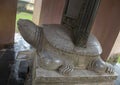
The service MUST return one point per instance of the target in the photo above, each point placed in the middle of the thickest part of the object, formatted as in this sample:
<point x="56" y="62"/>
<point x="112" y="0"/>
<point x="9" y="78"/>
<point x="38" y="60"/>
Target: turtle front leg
<point x="99" y="66"/>
<point x="54" y="63"/>
<point x="66" y="69"/>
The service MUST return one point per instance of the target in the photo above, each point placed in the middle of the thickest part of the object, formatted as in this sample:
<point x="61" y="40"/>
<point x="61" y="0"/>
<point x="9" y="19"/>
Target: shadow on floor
<point x="6" y="62"/>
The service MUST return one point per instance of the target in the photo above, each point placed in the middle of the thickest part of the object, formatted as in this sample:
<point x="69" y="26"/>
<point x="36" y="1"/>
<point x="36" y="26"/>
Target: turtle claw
<point x="110" y="68"/>
<point x="65" y="69"/>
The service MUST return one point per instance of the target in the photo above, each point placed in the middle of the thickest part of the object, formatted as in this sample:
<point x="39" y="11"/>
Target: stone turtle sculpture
<point x="56" y="50"/>
<point x="34" y="36"/>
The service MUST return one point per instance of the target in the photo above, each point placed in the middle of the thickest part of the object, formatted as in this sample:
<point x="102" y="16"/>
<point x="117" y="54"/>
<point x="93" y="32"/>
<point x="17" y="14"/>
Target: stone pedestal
<point x="77" y="77"/>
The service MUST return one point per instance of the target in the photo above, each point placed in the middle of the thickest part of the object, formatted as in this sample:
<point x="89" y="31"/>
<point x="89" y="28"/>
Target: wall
<point x="7" y="21"/>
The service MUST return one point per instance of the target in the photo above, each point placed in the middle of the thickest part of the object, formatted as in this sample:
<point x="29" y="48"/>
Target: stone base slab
<point x="77" y="77"/>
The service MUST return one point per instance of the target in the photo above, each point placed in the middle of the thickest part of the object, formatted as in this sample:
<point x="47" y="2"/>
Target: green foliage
<point x="119" y="59"/>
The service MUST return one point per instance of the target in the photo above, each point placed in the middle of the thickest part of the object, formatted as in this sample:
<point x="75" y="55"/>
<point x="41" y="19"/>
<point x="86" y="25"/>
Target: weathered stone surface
<point x="56" y="50"/>
<point x="110" y="83"/>
<point x="77" y="77"/>
<point x="31" y="33"/>
<point x="60" y="37"/>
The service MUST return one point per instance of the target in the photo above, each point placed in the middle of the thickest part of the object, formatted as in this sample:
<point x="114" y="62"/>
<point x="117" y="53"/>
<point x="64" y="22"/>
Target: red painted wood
<point x="7" y="21"/>
<point x="107" y="25"/>
<point x="51" y="12"/>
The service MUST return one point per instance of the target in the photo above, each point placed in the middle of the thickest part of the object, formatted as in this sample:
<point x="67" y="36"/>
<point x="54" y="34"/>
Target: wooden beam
<point x="48" y="11"/>
<point x="7" y="21"/>
<point x="37" y="11"/>
<point x="107" y="25"/>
